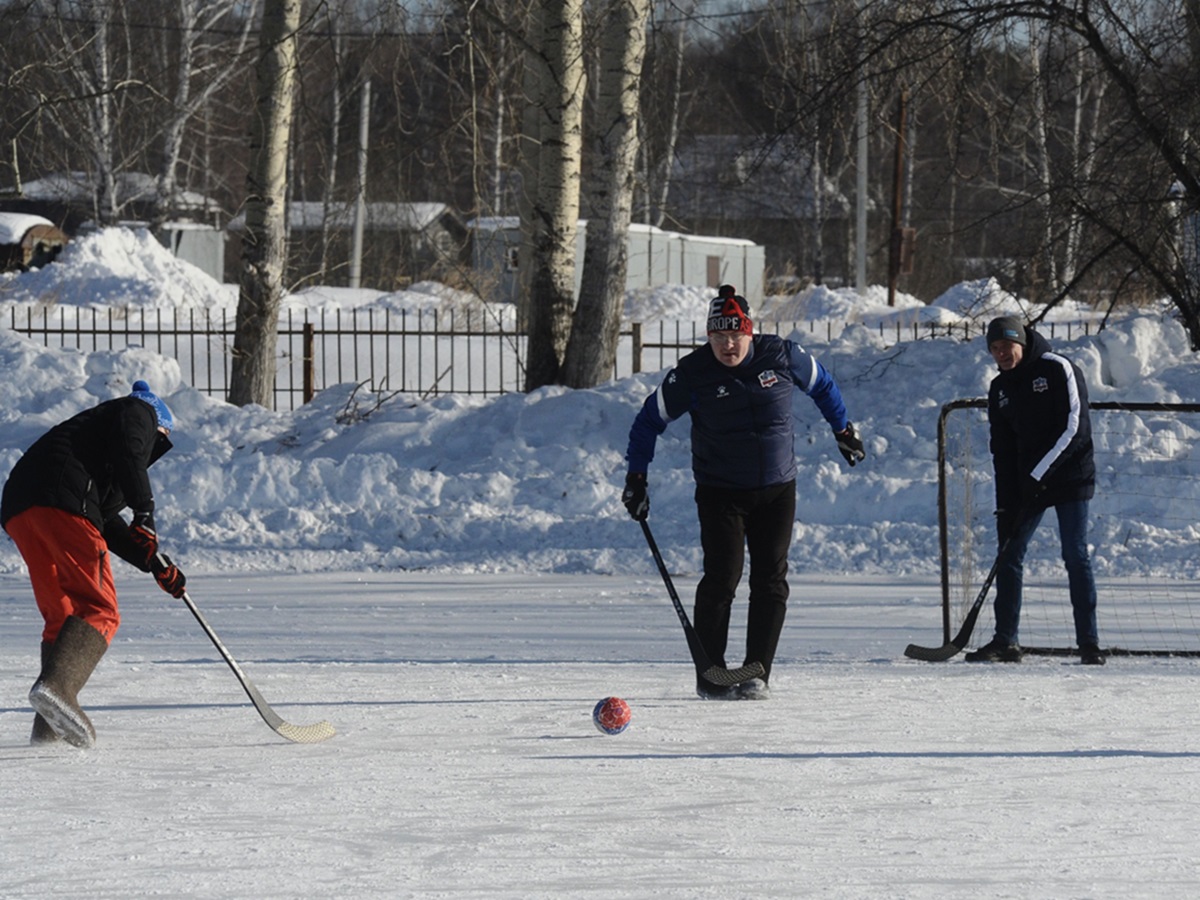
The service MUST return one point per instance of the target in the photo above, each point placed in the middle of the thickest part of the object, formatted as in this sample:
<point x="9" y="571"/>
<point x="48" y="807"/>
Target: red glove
<point x="168" y="576"/>
<point x="143" y="535"/>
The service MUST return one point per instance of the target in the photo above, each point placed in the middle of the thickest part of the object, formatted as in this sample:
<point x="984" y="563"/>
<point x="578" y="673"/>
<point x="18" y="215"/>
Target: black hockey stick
<point x="300" y="734"/>
<point x="952" y="649"/>
<point x="705" y="667"/>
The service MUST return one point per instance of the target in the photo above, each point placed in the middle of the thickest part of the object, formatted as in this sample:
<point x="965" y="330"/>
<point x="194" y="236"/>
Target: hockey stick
<point x="300" y="734"/>
<point x="947" y="651"/>
<point x="705" y="667"/>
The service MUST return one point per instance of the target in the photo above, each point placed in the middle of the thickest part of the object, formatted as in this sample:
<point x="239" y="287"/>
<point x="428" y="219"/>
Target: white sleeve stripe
<point x="1073" y="416"/>
<point x="661" y="403"/>
<point x="801" y="356"/>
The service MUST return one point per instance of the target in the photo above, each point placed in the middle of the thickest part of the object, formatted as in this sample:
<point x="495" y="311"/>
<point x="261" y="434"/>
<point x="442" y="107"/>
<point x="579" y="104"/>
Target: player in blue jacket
<point x="1041" y="442"/>
<point x="738" y="391"/>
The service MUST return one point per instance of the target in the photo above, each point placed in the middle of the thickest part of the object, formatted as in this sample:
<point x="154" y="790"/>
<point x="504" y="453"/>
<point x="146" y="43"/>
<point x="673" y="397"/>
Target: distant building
<point x="765" y="190"/>
<point x="67" y="199"/>
<point x="655" y="257"/>
<point x="28" y="241"/>
<point x="402" y="243"/>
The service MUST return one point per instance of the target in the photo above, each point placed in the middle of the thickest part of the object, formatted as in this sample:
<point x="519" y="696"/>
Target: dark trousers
<point x="732" y="522"/>
<point x="1010" y="576"/>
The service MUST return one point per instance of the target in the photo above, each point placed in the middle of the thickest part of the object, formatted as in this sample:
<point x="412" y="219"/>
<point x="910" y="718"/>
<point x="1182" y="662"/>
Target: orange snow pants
<point x="67" y="560"/>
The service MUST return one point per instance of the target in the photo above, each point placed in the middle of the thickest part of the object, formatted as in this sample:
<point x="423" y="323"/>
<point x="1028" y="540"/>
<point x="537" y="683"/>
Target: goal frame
<point x="944" y="519"/>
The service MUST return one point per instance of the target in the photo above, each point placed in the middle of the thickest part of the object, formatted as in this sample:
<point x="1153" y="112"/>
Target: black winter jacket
<point x="93" y="465"/>
<point x="1041" y="433"/>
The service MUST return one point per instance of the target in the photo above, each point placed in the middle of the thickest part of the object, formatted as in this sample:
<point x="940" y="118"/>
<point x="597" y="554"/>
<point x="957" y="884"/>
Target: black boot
<point x="54" y="696"/>
<point x="1091" y="655"/>
<point x="996" y="650"/>
<point x="42" y="732"/>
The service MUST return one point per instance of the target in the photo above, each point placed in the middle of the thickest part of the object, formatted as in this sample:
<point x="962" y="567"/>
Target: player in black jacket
<point x="1041" y="441"/>
<point x="62" y="507"/>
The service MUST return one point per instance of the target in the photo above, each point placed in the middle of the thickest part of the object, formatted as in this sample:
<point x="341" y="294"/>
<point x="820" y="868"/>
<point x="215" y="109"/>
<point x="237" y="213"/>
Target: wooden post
<point x="637" y="347"/>
<point x="309" y="365"/>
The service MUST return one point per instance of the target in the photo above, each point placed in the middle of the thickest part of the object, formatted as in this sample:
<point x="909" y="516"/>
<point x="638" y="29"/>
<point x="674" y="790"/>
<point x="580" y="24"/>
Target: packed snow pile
<point x="531" y="482"/>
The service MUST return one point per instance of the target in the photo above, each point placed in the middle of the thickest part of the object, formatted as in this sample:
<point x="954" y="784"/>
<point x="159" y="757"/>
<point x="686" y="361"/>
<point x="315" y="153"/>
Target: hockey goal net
<point x="1144" y="532"/>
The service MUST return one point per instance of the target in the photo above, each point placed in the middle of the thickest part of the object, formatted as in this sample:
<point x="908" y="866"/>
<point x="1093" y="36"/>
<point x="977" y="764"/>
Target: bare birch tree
<point x="595" y="330"/>
<point x="264" y="250"/>
<point x="554" y="213"/>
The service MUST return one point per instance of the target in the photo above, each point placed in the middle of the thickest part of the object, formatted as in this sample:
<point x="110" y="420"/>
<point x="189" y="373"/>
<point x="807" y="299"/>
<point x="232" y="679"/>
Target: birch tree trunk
<point x="264" y="249"/>
<point x="555" y="214"/>
<point x="595" y="330"/>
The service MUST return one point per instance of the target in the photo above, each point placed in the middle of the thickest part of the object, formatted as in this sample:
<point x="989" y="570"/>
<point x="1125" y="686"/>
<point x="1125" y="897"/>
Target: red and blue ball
<point x="612" y="715"/>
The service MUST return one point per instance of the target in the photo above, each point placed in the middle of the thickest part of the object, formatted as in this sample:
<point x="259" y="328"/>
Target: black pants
<point x="732" y="521"/>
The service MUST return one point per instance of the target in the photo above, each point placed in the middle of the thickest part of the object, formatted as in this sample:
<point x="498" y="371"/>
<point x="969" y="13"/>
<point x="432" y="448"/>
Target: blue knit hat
<point x="162" y="413"/>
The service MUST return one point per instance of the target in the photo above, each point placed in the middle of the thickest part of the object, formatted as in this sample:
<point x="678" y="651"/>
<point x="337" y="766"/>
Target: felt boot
<point x="54" y="695"/>
<point x="42" y="732"/>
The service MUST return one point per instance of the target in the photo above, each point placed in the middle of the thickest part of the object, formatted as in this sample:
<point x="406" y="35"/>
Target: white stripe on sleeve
<point x="1073" y="416"/>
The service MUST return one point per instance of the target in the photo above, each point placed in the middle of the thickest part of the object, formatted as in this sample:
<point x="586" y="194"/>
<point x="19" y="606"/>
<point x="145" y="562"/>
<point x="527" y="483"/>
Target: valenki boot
<point x="54" y="695"/>
<point x="42" y="732"/>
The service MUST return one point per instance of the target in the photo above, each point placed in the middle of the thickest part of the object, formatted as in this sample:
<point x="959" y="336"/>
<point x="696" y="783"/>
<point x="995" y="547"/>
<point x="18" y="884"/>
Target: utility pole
<point x="360" y="202"/>
<point x="860" y="226"/>
<point x="900" y="245"/>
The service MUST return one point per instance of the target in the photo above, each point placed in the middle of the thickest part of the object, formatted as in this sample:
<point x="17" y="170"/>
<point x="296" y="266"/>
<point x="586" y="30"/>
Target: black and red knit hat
<point x="729" y="312"/>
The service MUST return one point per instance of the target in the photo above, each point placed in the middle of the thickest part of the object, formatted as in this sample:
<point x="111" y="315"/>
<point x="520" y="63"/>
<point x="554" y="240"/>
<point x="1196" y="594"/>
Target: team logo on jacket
<point x="722" y="391"/>
<point x="1040" y="385"/>
<point x="1002" y="399"/>
<point x="768" y="378"/>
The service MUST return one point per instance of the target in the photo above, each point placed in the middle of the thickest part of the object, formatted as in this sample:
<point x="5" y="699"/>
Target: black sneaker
<point x="1091" y="655"/>
<point x="996" y="651"/>
<point x="706" y="690"/>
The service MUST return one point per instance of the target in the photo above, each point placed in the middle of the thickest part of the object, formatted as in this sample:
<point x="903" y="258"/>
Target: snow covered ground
<point x="453" y="584"/>
<point x="466" y="763"/>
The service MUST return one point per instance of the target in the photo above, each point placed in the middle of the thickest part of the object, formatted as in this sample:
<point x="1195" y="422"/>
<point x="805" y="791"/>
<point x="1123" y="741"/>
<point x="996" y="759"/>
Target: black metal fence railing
<point x="424" y="353"/>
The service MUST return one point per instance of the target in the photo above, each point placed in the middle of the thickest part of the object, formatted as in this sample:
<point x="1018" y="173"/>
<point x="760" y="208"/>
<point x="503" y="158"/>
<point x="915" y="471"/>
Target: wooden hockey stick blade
<point x="728" y="677"/>
<point x="932" y="654"/>
<point x="300" y="734"/>
<point x="952" y="649"/>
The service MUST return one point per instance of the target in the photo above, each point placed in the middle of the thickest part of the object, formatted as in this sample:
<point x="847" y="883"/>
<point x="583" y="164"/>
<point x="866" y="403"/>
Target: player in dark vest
<point x="62" y="507"/>
<point x="738" y="391"/>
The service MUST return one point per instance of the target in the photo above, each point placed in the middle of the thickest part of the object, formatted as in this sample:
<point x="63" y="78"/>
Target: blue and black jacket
<point x="742" y="431"/>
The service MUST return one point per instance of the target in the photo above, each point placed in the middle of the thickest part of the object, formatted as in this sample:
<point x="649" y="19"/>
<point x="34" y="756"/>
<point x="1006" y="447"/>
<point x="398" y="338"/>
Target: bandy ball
<point x="612" y="715"/>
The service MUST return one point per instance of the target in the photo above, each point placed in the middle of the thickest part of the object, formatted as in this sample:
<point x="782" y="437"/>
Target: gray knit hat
<point x="1006" y="328"/>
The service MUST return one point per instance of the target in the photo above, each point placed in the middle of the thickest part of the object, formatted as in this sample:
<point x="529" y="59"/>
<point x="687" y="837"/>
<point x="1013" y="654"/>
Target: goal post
<point x="1144" y="532"/>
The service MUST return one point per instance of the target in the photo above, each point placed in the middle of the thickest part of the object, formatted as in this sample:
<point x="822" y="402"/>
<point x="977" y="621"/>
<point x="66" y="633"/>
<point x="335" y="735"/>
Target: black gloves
<point x="849" y="444"/>
<point x="143" y="536"/>
<point x="1031" y="491"/>
<point x="634" y="496"/>
<point x="167" y="574"/>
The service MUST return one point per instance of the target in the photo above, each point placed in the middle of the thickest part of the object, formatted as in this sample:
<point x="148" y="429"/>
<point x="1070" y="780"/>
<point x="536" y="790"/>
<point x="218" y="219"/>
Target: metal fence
<point x="424" y="353"/>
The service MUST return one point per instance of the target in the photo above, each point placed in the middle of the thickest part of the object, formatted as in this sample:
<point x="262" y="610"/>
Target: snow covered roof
<point x="14" y="226"/>
<point x="310" y="215"/>
<point x="78" y="187"/>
